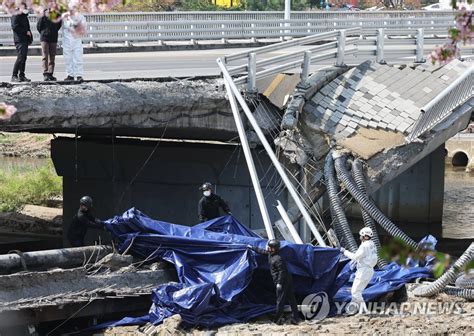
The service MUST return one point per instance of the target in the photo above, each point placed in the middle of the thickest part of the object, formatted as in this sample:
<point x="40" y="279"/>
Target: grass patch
<point x="32" y="186"/>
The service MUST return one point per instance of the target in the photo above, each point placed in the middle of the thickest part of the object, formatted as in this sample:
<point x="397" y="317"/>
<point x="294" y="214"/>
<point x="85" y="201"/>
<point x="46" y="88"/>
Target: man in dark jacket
<point x="210" y="203"/>
<point x="49" y="40"/>
<point x="281" y="278"/>
<point x="82" y="221"/>
<point x="22" y="37"/>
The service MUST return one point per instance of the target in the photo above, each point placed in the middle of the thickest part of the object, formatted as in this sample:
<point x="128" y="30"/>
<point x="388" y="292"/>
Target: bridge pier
<point x="115" y="175"/>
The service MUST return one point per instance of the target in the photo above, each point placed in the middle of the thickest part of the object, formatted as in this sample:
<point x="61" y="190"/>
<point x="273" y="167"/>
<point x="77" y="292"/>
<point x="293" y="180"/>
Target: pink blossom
<point x="461" y="33"/>
<point x="6" y="111"/>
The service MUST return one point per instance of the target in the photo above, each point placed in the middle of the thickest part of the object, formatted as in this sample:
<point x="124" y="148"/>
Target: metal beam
<point x="271" y="154"/>
<point x="250" y="163"/>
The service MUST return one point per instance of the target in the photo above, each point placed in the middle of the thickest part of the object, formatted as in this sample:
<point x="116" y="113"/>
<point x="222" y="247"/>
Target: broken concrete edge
<point x="167" y="79"/>
<point x="38" y="297"/>
<point x="304" y="91"/>
<point x="405" y="156"/>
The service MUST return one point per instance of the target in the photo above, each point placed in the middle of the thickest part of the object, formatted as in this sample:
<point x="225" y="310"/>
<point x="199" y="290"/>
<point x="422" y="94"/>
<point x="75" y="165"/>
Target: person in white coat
<point x="74" y="27"/>
<point x="365" y="258"/>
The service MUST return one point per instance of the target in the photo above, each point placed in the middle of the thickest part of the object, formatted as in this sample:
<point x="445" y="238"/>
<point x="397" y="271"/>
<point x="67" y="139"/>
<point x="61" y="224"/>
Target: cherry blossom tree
<point x="458" y="35"/>
<point x="6" y="111"/>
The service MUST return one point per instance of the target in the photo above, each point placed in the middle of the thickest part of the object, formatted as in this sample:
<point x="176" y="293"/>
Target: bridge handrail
<point x="457" y="93"/>
<point x="131" y="27"/>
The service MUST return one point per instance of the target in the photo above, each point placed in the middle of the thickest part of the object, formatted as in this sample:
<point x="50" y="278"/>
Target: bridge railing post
<point x="127" y="42"/>
<point x="305" y="66"/>
<point x="380" y="46"/>
<point x="341" y="47"/>
<point x="420" y="44"/>
<point x="193" y="41"/>
<point x="160" y="41"/>
<point x="252" y="33"/>
<point x="252" y="73"/>
<point x="224" y="40"/>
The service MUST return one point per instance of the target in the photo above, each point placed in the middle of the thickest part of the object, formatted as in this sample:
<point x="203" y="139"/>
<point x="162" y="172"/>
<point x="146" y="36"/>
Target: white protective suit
<point x="72" y="45"/>
<point x="365" y="258"/>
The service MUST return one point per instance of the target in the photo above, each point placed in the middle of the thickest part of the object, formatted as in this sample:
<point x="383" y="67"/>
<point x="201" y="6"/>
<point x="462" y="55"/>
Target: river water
<point x="458" y="211"/>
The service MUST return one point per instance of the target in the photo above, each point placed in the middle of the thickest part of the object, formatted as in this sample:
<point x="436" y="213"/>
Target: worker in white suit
<point x="365" y="258"/>
<point x="74" y="27"/>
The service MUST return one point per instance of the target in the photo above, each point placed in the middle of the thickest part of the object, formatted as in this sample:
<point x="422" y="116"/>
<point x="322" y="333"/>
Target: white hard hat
<point x="366" y="232"/>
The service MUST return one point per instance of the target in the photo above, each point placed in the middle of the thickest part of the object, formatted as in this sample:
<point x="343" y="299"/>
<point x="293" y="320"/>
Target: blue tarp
<point x="222" y="282"/>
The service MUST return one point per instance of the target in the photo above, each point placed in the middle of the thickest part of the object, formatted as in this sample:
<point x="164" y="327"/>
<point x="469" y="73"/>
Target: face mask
<point x="207" y="193"/>
<point x="25" y="11"/>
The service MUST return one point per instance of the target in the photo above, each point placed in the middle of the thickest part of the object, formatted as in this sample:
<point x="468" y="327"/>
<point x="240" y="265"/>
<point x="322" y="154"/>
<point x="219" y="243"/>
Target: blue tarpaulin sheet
<point x="222" y="282"/>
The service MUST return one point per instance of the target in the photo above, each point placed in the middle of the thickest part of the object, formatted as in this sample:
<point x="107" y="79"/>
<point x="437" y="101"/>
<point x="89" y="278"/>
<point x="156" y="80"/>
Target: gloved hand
<point x="279" y="287"/>
<point x="249" y="247"/>
<point x="342" y="249"/>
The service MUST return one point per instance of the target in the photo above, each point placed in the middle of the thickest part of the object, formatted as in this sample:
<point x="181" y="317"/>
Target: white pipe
<point x="269" y="150"/>
<point x="296" y="237"/>
<point x="250" y="163"/>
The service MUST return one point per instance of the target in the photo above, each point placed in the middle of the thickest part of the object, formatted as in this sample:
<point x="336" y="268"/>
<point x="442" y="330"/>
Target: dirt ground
<point x="410" y="322"/>
<point x="33" y="219"/>
<point x="25" y="145"/>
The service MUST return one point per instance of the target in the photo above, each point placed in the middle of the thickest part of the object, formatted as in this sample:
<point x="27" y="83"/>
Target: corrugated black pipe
<point x="448" y="277"/>
<point x="465" y="293"/>
<point x="341" y="225"/>
<point x="358" y="174"/>
<point x="465" y="281"/>
<point x="368" y="205"/>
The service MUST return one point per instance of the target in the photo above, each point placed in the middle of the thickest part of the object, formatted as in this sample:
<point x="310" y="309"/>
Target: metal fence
<point x="127" y="28"/>
<point x="457" y="93"/>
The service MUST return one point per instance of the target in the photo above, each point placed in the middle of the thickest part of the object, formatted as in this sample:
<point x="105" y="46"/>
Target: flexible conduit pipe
<point x="465" y="281"/>
<point x="341" y="225"/>
<point x="465" y="293"/>
<point x="369" y="206"/>
<point x="448" y="277"/>
<point x="358" y="174"/>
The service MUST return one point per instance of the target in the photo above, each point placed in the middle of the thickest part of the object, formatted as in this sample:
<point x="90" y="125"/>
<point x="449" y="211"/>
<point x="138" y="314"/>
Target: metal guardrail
<point x="300" y="58"/>
<point x="254" y="69"/>
<point x="193" y="26"/>
<point x="457" y="93"/>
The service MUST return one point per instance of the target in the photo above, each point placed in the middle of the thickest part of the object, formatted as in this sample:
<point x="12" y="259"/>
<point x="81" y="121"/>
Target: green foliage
<point x="275" y="5"/>
<point x="398" y="251"/>
<point x="469" y="266"/>
<point x="199" y="5"/>
<point x="34" y="186"/>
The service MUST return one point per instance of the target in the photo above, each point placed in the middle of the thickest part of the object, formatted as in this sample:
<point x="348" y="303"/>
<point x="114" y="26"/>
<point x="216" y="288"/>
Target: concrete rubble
<point x="113" y="277"/>
<point x="394" y="322"/>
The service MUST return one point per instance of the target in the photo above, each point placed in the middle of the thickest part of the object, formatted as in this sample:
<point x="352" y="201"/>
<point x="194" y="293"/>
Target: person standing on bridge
<point x="22" y="37"/>
<point x="74" y="27"/>
<point x="49" y="40"/>
<point x="210" y="203"/>
<point x="82" y="221"/>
